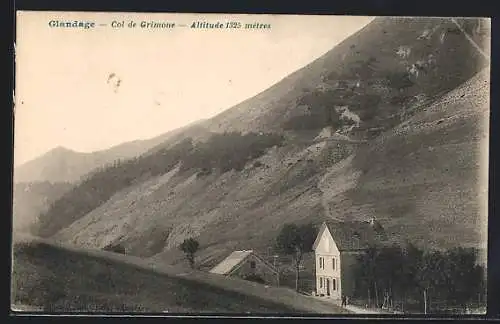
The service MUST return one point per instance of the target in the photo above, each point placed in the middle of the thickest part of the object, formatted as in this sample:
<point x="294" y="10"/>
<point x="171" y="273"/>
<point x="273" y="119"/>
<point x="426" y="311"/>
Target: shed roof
<point x="230" y="262"/>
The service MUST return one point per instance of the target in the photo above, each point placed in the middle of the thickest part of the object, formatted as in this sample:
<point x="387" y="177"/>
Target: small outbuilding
<point x="248" y="265"/>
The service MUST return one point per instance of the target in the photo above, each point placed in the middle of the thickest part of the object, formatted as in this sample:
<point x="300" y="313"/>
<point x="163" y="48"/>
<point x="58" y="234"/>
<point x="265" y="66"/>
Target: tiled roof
<point x="353" y="235"/>
<point x="229" y="263"/>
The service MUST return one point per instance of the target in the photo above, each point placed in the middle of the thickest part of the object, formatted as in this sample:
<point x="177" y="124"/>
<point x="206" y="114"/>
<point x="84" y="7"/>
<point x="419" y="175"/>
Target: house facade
<point x="336" y="250"/>
<point x="327" y="258"/>
<point x="248" y="265"/>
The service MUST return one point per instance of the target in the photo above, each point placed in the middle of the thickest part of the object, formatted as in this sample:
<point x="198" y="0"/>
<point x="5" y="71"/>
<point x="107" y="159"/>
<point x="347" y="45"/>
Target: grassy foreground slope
<point x="66" y="279"/>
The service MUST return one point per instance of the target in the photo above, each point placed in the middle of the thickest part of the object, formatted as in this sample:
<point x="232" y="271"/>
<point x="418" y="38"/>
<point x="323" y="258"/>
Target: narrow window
<point x="321" y="282"/>
<point x="334" y="283"/>
<point x="333" y="263"/>
<point x="252" y="264"/>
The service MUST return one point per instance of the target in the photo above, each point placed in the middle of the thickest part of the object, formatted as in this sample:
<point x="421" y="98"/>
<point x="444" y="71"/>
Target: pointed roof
<point x="230" y="262"/>
<point x="355" y="235"/>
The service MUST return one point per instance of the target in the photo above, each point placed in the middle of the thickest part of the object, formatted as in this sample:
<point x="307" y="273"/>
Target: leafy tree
<point x="465" y="276"/>
<point x="295" y="240"/>
<point x="452" y="276"/>
<point x="190" y="247"/>
<point x="389" y="270"/>
<point x="366" y="273"/>
<point x="412" y="256"/>
<point x="430" y="275"/>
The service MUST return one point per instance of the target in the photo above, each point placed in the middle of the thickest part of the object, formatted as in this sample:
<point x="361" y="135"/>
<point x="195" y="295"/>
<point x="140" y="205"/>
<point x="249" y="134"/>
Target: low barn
<point x="249" y="266"/>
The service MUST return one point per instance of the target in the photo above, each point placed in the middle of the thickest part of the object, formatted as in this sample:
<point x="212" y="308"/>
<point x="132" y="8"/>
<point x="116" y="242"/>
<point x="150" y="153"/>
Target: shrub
<point x="190" y="246"/>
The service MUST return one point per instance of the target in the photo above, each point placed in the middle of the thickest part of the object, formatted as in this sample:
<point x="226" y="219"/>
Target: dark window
<point x="252" y="264"/>
<point x="334" y="283"/>
<point x="333" y="263"/>
<point x="356" y="237"/>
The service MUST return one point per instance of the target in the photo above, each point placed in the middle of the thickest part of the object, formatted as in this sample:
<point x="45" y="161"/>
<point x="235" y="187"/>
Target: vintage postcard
<point x="250" y="164"/>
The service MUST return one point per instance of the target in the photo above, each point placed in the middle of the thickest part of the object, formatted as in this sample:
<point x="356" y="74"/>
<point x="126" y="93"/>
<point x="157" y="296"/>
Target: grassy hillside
<point x="69" y="280"/>
<point x="432" y="170"/>
<point x="219" y="154"/>
<point x="417" y="170"/>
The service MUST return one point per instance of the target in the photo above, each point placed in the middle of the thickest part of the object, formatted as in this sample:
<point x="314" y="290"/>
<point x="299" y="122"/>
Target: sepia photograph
<point x="250" y="164"/>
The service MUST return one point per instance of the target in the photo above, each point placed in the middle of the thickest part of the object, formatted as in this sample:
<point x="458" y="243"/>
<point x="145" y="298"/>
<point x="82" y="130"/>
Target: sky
<point x="67" y="91"/>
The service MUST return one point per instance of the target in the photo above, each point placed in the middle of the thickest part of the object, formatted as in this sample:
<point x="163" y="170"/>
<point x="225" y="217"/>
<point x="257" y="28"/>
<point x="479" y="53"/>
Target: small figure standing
<point x="344" y="301"/>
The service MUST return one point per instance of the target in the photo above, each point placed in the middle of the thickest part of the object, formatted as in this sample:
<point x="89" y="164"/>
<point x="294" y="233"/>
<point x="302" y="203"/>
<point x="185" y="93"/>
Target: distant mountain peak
<point x="62" y="149"/>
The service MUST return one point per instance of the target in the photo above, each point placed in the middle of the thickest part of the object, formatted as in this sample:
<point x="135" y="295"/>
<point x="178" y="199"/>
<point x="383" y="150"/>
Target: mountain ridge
<point x="368" y="96"/>
<point x="62" y="164"/>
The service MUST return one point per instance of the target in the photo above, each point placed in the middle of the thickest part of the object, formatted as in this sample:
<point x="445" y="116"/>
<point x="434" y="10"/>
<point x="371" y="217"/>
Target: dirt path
<point x="362" y="310"/>
<point x="352" y="308"/>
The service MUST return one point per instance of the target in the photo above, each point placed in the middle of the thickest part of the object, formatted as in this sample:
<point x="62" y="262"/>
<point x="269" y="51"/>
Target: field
<point x="59" y="279"/>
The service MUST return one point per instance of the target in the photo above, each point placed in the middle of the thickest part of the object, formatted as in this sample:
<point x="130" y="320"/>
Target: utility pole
<point x="275" y="263"/>
<point x="425" y="301"/>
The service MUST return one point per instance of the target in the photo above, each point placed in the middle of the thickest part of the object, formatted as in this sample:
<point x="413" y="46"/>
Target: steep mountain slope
<point x="420" y="181"/>
<point x="378" y="73"/>
<point x="429" y="175"/>
<point x="31" y="199"/>
<point x="389" y="124"/>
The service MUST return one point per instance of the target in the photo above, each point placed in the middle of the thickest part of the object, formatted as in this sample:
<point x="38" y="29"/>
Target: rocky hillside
<point x="378" y="74"/>
<point x="389" y="124"/>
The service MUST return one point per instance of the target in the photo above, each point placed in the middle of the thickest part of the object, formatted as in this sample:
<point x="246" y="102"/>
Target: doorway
<point x="328" y="287"/>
